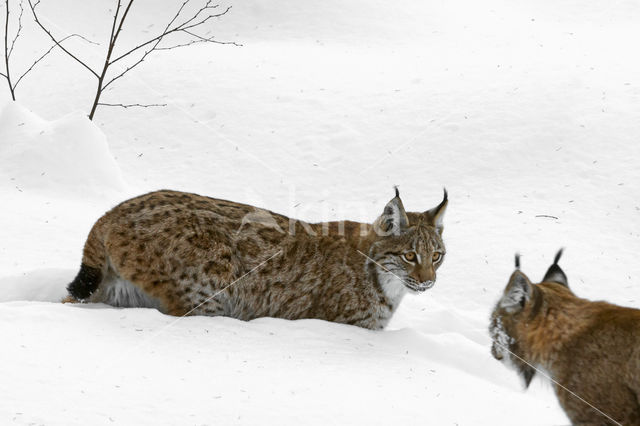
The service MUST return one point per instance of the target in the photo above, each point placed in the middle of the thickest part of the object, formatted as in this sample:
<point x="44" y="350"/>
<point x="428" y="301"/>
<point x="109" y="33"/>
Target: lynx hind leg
<point x="92" y="269"/>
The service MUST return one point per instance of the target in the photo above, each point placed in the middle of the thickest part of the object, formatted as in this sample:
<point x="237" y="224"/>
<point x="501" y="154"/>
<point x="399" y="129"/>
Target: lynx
<point x="591" y="350"/>
<point x="187" y="254"/>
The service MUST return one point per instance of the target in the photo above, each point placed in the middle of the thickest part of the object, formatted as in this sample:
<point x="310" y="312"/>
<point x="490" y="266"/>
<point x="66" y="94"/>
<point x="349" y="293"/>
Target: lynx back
<point x="591" y="350"/>
<point x="187" y="254"/>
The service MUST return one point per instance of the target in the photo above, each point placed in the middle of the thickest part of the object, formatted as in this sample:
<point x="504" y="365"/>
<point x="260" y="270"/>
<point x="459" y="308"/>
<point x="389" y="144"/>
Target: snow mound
<point x="69" y="156"/>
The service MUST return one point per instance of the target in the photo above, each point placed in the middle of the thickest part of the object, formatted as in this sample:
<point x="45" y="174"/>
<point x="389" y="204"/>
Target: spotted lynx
<point x="591" y="350"/>
<point x="187" y="254"/>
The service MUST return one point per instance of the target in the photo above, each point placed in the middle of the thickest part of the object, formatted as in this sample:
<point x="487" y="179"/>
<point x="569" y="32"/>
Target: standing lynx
<point x="591" y="350"/>
<point x="188" y="254"/>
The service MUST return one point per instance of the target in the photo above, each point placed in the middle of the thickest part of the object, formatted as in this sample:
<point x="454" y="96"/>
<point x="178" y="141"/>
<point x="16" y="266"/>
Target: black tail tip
<point x="85" y="283"/>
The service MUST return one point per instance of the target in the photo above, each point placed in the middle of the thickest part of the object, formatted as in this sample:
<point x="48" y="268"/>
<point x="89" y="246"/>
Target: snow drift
<point x="68" y="156"/>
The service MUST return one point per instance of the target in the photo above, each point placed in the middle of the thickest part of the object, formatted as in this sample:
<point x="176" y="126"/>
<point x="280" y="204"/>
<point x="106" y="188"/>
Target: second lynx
<point x="188" y="254"/>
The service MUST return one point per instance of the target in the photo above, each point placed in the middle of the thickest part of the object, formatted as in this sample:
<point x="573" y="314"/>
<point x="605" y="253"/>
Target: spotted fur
<point x="189" y="254"/>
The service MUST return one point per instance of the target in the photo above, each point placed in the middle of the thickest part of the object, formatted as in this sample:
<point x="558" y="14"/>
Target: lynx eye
<point x="436" y="256"/>
<point x="409" y="256"/>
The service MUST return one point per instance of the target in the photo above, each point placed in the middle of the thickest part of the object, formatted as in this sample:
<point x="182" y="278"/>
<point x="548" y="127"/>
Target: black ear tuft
<point x="558" y="256"/>
<point x="555" y="273"/>
<point x="397" y="192"/>
<point x="435" y="215"/>
<point x="517" y="260"/>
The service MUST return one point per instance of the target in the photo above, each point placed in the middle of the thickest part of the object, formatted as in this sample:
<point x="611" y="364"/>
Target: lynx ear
<point x="394" y="219"/>
<point x="517" y="293"/>
<point x="435" y="215"/>
<point x="555" y="273"/>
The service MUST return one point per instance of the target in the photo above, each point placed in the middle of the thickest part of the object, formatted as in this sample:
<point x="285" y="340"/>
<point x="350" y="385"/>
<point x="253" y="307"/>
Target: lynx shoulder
<point x="188" y="254"/>
<point x="591" y="350"/>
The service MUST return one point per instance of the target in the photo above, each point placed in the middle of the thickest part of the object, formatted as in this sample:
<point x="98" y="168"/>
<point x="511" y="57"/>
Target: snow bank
<point x="107" y="366"/>
<point x="69" y="156"/>
<point x="43" y="285"/>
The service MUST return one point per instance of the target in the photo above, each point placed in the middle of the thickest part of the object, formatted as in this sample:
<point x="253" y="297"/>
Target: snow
<point x="526" y="112"/>
<point x="69" y="156"/>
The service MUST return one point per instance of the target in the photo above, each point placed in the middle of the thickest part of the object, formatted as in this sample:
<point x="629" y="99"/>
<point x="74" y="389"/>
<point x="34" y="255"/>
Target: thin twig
<point x="132" y="105"/>
<point x="45" y="54"/>
<point x="7" y="74"/>
<point x="546" y="215"/>
<point x="13" y="43"/>
<point x="175" y="25"/>
<point x="168" y="30"/>
<point x="35" y="17"/>
<point x="211" y="39"/>
<point x="181" y="27"/>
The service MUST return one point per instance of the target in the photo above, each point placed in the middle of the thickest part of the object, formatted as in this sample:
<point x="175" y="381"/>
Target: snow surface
<point x="523" y="110"/>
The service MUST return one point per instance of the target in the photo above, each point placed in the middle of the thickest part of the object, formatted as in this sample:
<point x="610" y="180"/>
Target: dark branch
<point x="13" y="42"/>
<point x="169" y="29"/>
<point x="188" y="24"/>
<point x="547" y="216"/>
<point x="35" y="17"/>
<point x="129" y="68"/>
<point x="211" y="39"/>
<point x="133" y="105"/>
<point x="45" y="54"/>
<point x="7" y="74"/>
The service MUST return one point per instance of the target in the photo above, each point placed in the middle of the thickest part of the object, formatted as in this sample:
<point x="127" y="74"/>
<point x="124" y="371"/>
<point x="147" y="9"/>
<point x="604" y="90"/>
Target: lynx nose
<point x="423" y="275"/>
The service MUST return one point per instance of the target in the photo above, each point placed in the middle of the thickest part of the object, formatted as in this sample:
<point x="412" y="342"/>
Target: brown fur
<point x="590" y="348"/>
<point x="178" y="250"/>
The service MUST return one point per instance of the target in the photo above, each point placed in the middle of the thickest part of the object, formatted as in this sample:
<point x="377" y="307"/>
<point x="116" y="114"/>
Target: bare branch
<point x="188" y="24"/>
<point x="129" y="68"/>
<point x="124" y="16"/>
<point x="45" y="54"/>
<point x="13" y="42"/>
<point x="7" y="74"/>
<point x="115" y="20"/>
<point x="133" y="105"/>
<point x="3" y="74"/>
<point x="211" y="39"/>
<point x="177" y="24"/>
<point x="35" y="17"/>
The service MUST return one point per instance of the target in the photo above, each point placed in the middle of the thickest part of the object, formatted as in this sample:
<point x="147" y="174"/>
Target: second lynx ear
<point x="517" y="293"/>
<point x="436" y="214"/>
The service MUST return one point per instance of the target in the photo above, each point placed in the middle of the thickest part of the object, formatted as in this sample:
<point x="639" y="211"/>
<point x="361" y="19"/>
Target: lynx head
<point x="407" y="248"/>
<point x="520" y="302"/>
